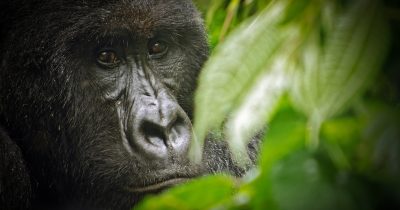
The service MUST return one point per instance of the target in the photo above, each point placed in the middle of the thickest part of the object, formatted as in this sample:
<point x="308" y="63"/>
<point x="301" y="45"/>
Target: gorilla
<point x="96" y="102"/>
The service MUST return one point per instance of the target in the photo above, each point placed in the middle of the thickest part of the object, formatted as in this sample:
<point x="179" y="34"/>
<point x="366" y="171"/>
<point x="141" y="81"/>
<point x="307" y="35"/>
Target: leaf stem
<point x="313" y="129"/>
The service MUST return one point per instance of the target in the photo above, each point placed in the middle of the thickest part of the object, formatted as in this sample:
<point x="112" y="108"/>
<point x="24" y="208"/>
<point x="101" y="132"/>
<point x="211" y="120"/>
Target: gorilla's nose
<point x="162" y="128"/>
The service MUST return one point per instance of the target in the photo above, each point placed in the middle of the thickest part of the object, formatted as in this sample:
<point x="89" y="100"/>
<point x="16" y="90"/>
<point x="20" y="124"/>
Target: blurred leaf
<point x="285" y="136"/>
<point x="211" y="191"/>
<point x="299" y="182"/>
<point x="341" y="136"/>
<point x="342" y="131"/>
<point x="383" y="135"/>
<point x="215" y="5"/>
<point x="294" y="9"/>
<point x="354" y="53"/>
<point x="258" y="107"/>
<point x="233" y="68"/>
<point x="230" y="16"/>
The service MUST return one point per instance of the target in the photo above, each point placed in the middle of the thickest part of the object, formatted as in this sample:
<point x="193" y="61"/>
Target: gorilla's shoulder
<point x="15" y="189"/>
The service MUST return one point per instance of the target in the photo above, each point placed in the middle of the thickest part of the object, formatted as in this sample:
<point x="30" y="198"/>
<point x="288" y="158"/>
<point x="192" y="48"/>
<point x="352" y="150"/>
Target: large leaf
<point x="187" y="196"/>
<point x="285" y="136"/>
<point x="342" y="68"/>
<point x="233" y="68"/>
<point x="257" y="108"/>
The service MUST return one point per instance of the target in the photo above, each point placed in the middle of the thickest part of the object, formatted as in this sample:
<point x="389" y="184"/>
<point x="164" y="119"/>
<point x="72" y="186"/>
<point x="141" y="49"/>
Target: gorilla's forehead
<point x="96" y="17"/>
<point x="146" y="16"/>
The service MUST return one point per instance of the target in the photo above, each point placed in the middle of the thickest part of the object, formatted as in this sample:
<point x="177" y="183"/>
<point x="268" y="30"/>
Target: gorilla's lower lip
<point x="159" y="185"/>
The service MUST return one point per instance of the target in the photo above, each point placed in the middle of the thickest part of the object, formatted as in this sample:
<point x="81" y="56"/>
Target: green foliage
<point x="216" y="93"/>
<point x="303" y="68"/>
<point x="222" y="16"/>
<point x="336" y="69"/>
<point x="193" y="195"/>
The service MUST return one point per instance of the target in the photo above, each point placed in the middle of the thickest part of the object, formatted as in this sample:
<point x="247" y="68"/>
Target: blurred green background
<point x="323" y="79"/>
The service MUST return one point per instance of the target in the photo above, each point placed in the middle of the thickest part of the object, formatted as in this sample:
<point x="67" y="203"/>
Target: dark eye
<point x="157" y="48"/>
<point x="108" y="58"/>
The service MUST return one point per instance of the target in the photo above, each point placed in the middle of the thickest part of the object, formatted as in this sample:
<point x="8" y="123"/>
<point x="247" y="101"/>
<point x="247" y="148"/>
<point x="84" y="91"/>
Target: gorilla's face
<point x="132" y="100"/>
<point x="113" y="89"/>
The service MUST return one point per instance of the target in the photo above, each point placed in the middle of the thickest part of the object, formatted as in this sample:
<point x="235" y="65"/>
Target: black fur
<point x="60" y="131"/>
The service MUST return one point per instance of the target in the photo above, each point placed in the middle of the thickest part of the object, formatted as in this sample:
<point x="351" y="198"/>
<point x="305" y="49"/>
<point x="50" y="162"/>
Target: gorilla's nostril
<point x="153" y="133"/>
<point x="176" y="128"/>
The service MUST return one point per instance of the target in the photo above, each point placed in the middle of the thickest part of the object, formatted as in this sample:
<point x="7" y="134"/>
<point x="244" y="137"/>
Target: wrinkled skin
<point x="96" y="102"/>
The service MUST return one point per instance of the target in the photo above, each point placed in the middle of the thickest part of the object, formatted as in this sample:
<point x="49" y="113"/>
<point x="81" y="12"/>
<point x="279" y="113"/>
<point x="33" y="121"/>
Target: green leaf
<point x="300" y="181"/>
<point x="212" y="10"/>
<point x="285" y="136"/>
<point x="335" y="74"/>
<point x="258" y="107"/>
<point x="203" y="193"/>
<point x="355" y="52"/>
<point x="294" y="9"/>
<point x="233" y="68"/>
<point x="341" y="136"/>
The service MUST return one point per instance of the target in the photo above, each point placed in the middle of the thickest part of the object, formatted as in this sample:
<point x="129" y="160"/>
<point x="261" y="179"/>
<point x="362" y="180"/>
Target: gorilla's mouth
<point x="159" y="186"/>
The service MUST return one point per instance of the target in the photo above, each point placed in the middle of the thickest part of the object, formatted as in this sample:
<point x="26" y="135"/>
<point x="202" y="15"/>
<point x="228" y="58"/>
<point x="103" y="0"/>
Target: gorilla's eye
<point x="156" y="48"/>
<point x="108" y="58"/>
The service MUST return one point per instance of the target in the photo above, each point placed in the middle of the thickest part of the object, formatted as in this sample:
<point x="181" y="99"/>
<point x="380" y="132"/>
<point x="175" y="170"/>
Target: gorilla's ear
<point x="15" y="187"/>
